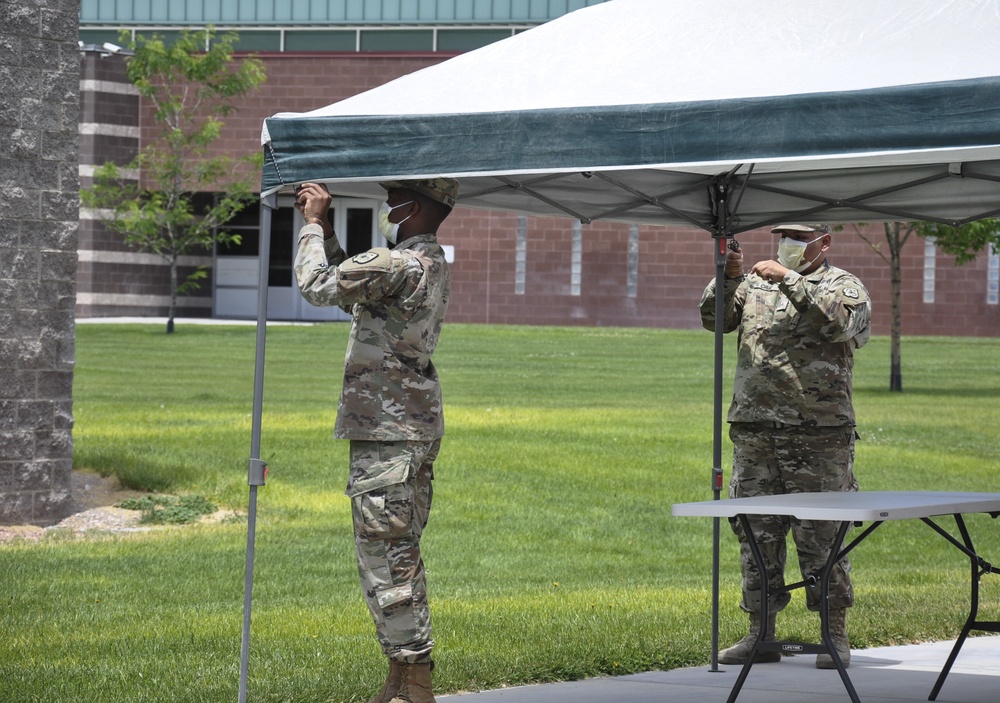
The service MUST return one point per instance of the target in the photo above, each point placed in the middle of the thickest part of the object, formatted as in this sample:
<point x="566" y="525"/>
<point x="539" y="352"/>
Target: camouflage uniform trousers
<point x="391" y="487"/>
<point x="791" y="459"/>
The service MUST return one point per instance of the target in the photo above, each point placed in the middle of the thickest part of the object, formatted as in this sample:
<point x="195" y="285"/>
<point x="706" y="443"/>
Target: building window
<point x="455" y="40"/>
<point x="398" y="40"/>
<point x="576" y="261"/>
<point x="360" y="224"/>
<point x="993" y="277"/>
<point x="632" y="279"/>
<point x="245" y="223"/>
<point x="167" y="36"/>
<point x="258" y="41"/>
<point x="451" y="40"/>
<point x="930" y="270"/>
<point x="321" y="41"/>
<point x="97" y="37"/>
<point x="520" y="255"/>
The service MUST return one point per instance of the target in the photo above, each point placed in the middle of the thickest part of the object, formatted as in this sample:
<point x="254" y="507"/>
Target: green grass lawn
<point x="551" y="551"/>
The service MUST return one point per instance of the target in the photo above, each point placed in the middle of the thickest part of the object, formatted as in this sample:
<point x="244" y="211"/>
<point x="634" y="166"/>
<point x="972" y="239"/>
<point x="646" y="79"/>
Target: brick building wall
<point x="674" y="265"/>
<point x="630" y="276"/>
<point x="39" y="77"/>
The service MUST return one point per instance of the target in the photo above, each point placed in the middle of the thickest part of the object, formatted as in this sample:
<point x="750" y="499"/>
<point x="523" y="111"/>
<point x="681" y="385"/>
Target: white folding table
<point x="848" y="509"/>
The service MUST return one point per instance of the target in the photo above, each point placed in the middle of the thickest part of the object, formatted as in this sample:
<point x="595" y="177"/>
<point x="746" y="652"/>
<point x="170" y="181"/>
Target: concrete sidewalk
<point x="879" y="675"/>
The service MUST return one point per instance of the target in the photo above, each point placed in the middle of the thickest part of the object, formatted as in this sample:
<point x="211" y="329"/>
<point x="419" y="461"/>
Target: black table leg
<point x="828" y="646"/>
<point x="979" y="567"/>
<point x="824" y="609"/>
<point x="759" y="561"/>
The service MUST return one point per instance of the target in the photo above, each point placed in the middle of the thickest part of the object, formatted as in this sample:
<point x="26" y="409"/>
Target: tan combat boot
<point x="415" y="686"/>
<point x="838" y="631"/>
<point x="740" y="652"/>
<point x="391" y="686"/>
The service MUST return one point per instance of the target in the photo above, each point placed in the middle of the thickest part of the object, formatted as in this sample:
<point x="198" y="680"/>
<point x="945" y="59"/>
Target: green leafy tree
<point x="963" y="242"/>
<point x="190" y="85"/>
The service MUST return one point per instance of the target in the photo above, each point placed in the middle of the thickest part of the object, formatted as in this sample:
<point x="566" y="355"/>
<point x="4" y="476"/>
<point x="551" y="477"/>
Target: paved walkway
<point x="879" y="675"/>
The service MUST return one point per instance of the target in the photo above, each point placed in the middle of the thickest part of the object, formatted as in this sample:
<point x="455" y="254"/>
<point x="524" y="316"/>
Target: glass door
<point x="236" y="266"/>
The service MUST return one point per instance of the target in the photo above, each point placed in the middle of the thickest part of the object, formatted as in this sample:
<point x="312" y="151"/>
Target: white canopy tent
<point x="632" y="110"/>
<point x="718" y="114"/>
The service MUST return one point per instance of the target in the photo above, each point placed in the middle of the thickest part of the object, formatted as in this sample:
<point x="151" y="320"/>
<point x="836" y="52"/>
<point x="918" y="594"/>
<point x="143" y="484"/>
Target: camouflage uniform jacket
<point x="398" y="300"/>
<point x="796" y="345"/>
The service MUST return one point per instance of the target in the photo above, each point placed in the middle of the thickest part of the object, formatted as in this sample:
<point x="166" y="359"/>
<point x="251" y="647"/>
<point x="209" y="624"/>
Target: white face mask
<point x="791" y="251"/>
<point x="390" y="230"/>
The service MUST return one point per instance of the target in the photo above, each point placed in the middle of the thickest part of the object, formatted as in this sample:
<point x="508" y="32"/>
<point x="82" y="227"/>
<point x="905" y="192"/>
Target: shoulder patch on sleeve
<point x="854" y="294"/>
<point x="372" y="260"/>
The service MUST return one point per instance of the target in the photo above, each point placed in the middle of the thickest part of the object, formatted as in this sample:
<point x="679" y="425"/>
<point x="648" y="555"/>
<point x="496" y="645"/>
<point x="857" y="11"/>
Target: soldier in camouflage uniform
<point x="390" y="407"/>
<point x="792" y="419"/>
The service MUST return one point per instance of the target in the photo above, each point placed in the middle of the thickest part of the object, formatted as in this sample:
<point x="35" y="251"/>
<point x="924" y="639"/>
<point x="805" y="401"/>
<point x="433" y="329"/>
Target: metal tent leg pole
<point x="257" y="469"/>
<point x="720" y="282"/>
<point x="720" y="193"/>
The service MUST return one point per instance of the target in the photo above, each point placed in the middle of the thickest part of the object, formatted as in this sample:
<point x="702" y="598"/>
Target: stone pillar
<point x="40" y="80"/>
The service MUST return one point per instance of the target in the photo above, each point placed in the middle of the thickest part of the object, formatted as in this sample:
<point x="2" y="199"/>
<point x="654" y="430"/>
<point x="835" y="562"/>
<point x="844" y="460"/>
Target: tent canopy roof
<point x="721" y="115"/>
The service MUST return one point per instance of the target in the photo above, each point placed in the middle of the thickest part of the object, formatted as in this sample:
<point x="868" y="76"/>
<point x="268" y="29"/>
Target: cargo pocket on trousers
<point x="381" y="501"/>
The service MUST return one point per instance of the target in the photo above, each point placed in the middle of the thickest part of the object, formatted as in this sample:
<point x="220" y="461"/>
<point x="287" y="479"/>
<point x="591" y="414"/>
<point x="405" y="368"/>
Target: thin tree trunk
<point x="173" y="294"/>
<point x="892" y="235"/>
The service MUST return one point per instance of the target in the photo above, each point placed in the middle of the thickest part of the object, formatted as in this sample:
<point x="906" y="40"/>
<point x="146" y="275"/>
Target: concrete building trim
<point x="92" y="256"/>
<point x="132" y="300"/>
<point x="111" y="87"/>
<point x="87" y="213"/>
<point x="110" y="130"/>
<point x="87" y="171"/>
